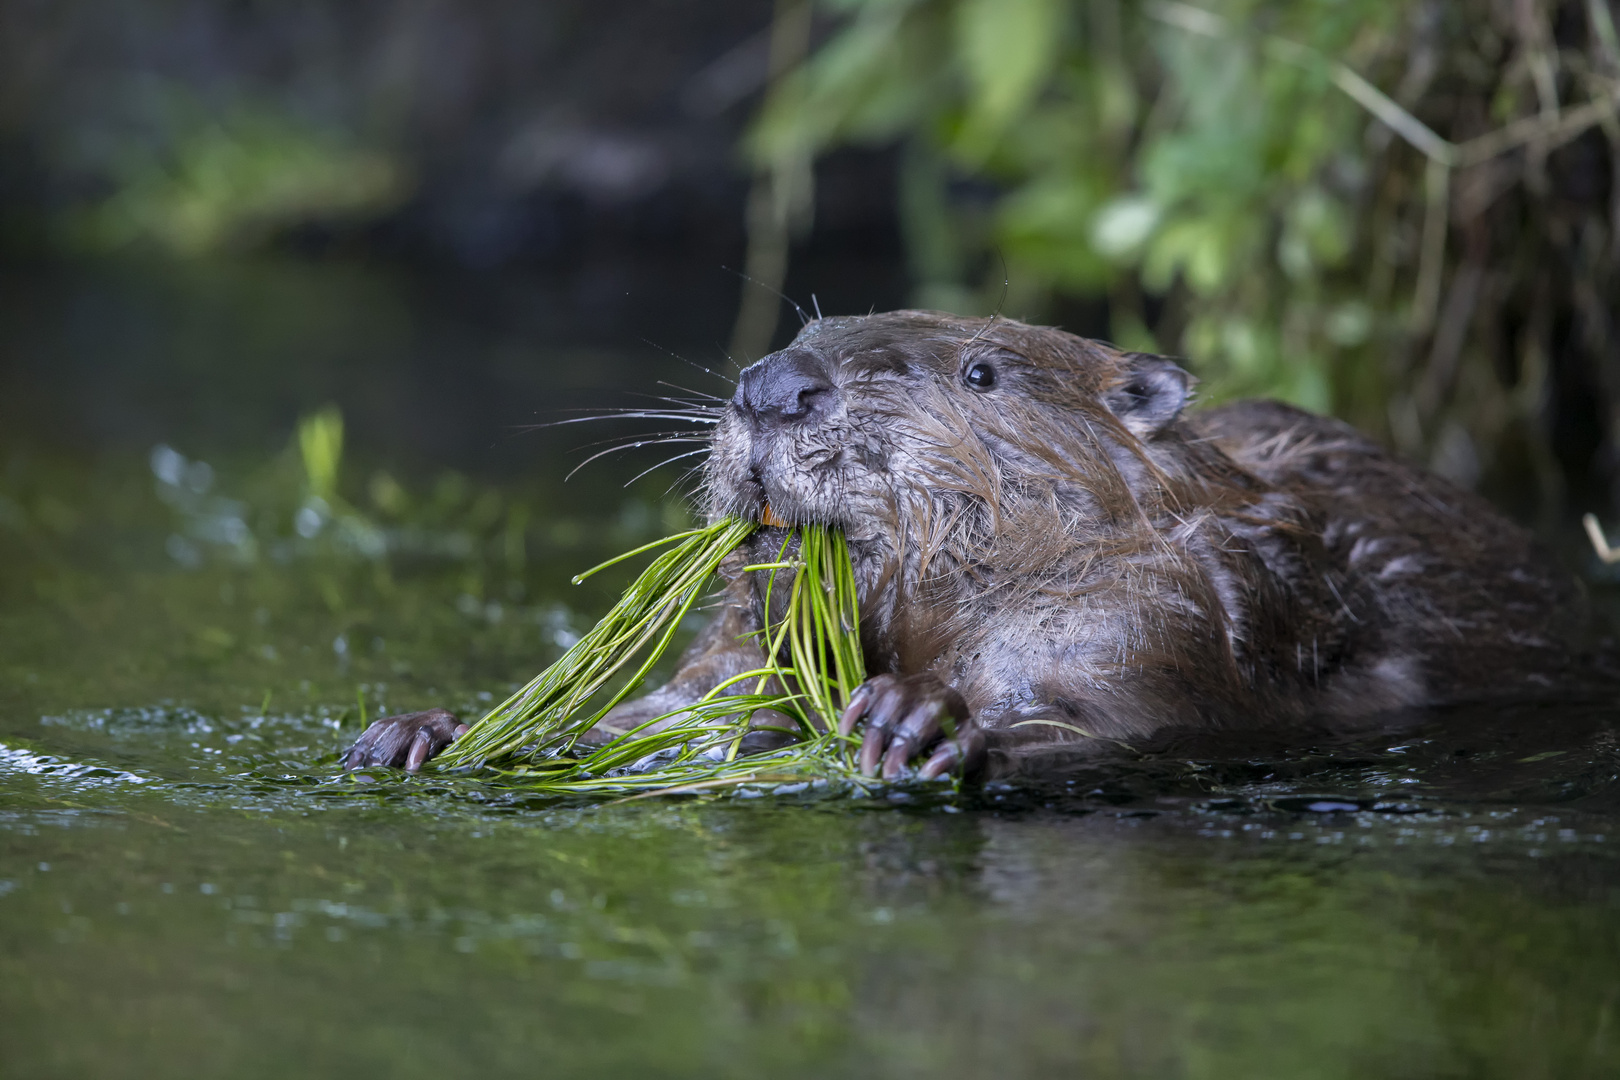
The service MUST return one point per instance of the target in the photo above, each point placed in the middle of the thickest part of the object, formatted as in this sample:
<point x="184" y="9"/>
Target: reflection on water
<point x="426" y="937"/>
<point x="191" y="625"/>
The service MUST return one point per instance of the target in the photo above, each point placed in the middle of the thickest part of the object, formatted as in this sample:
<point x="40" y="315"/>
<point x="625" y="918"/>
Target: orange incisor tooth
<point x="769" y="517"/>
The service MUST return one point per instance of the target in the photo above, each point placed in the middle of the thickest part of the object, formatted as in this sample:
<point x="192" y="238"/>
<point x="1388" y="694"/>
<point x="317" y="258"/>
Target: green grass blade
<point x="813" y="657"/>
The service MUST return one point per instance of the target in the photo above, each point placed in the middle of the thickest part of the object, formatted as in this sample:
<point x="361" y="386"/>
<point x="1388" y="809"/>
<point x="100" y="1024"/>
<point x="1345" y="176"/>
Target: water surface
<point x="189" y="887"/>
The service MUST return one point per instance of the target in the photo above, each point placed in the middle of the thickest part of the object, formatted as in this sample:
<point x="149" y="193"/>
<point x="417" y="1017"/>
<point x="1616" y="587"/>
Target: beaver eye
<point x="980" y="376"/>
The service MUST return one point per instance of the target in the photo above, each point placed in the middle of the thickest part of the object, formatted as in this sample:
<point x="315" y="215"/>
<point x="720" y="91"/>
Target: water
<point x="189" y="887"/>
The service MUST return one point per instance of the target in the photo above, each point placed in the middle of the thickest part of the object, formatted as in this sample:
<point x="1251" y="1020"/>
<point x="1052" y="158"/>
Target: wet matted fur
<point x="1069" y="545"/>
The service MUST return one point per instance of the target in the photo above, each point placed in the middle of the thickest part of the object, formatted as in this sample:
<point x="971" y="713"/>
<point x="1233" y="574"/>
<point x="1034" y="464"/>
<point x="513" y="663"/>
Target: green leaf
<point x="1123" y="225"/>
<point x="1008" y="49"/>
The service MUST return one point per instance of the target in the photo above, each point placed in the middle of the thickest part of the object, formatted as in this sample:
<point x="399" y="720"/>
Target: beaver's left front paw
<point x="909" y="715"/>
<point x="404" y="741"/>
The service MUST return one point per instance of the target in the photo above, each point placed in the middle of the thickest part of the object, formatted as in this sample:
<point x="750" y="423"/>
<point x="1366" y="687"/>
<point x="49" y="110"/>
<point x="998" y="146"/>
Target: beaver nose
<point x="785" y="387"/>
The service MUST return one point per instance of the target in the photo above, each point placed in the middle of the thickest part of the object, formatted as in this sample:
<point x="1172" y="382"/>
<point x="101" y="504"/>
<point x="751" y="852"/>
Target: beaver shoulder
<point x="1468" y="598"/>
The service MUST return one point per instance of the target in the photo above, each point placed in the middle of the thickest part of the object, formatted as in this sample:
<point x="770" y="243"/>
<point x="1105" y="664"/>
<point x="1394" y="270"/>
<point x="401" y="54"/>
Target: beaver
<point x="1052" y="550"/>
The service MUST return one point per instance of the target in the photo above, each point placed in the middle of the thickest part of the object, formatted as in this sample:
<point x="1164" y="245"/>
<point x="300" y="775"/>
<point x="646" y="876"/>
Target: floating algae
<point x="813" y="663"/>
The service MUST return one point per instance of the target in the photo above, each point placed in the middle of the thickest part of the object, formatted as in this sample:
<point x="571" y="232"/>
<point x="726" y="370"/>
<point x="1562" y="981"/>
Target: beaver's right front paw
<point x="911" y="715"/>
<point x="406" y="740"/>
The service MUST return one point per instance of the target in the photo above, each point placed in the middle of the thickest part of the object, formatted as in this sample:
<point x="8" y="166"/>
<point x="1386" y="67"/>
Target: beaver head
<point x="956" y="454"/>
<point x="862" y="422"/>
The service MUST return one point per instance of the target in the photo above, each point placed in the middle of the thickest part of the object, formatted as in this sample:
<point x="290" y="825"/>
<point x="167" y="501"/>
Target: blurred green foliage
<point x="1215" y="173"/>
<point x="1121" y="146"/>
<point x="320" y="444"/>
<point x="232" y="178"/>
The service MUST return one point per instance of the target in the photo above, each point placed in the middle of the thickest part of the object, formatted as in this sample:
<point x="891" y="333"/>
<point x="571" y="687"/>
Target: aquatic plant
<point x="812" y="664"/>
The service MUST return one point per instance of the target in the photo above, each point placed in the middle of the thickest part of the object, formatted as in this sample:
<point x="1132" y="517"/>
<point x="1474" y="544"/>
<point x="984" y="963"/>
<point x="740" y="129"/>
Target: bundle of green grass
<point x="813" y="664"/>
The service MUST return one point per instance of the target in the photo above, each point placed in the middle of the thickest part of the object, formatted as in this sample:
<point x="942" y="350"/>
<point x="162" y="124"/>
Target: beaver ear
<point x="1150" y="396"/>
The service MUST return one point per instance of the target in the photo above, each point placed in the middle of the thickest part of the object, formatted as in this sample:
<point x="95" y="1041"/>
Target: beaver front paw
<point x="408" y="740"/>
<point x="909" y="715"/>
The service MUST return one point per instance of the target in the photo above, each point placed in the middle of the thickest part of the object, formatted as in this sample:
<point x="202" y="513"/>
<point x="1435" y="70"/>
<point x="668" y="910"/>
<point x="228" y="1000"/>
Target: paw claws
<point x="421" y="747"/>
<point x="407" y="741"/>
<point x="906" y="717"/>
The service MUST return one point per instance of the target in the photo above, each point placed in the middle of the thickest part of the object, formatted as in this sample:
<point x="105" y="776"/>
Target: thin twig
<point x="1432" y="255"/>
<point x="1600" y="543"/>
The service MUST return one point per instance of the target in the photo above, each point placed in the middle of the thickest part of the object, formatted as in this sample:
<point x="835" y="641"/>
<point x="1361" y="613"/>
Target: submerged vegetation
<point x="319" y="580"/>
<point x="812" y="665"/>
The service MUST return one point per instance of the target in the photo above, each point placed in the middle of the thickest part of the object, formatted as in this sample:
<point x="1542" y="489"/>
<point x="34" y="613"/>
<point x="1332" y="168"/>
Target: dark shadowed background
<point x="446" y="218"/>
<point x="1401" y="212"/>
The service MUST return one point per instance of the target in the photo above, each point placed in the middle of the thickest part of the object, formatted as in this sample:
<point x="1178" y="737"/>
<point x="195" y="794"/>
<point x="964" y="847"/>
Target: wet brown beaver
<point x="1050" y="550"/>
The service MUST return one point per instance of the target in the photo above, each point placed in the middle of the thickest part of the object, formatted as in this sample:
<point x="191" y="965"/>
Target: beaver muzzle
<point x="785" y="390"/>
<point x="788" y="387"/>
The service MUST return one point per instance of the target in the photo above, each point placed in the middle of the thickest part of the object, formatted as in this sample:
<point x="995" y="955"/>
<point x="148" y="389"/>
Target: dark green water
<point x="189" y="888"/>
